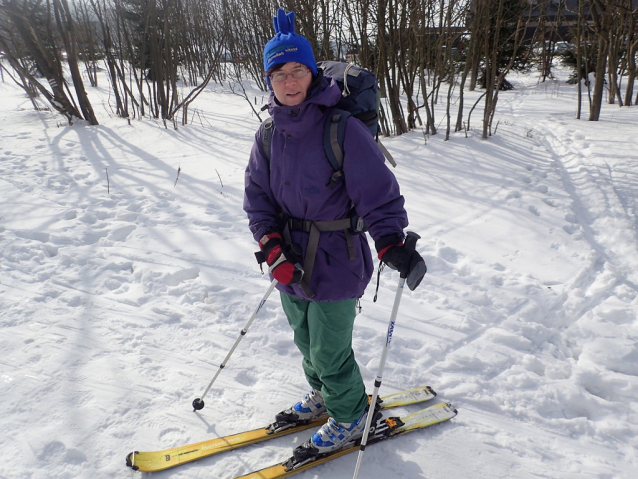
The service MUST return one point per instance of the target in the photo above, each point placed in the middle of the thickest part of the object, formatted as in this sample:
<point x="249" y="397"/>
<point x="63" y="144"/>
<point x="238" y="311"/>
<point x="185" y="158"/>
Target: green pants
<point x="323" y="334"/>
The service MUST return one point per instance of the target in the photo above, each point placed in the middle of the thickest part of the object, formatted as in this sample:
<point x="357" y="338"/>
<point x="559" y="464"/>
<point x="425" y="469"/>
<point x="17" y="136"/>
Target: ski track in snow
<point x="119" y="299"/>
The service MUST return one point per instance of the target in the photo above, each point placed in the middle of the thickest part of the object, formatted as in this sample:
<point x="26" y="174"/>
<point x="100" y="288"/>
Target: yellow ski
<point x="159" y="460"/>
<point x="394" y="427"/>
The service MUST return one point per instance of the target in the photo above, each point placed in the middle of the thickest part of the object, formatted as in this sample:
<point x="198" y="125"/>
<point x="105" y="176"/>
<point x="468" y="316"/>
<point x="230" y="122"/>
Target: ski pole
<point x="198" y="403"/>
<point x="410" y="244"/>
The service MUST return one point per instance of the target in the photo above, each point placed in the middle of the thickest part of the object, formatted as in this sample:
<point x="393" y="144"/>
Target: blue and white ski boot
<point x="309" y="408"/>
<point x="333" y="436"/>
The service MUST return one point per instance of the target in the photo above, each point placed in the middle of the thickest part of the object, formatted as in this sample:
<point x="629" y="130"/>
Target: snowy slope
<point x="119" y="298"/>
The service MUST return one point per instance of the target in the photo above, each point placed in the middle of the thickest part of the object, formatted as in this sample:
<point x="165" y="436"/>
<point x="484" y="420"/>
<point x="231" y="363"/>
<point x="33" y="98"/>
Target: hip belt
<point x="314" y="229"/>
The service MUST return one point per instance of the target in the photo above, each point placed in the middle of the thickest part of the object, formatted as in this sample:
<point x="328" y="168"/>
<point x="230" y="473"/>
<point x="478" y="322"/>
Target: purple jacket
<point x="295" y="184"/>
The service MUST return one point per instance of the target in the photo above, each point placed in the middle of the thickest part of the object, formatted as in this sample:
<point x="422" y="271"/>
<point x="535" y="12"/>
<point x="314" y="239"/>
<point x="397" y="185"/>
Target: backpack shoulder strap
<point x="333" y="138"/>
<point x="266" y="131"/>
<point x="387" y="154"/>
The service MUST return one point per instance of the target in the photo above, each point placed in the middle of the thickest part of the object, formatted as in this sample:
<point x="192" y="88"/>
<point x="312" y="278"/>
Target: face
<point x="291" y="91"/>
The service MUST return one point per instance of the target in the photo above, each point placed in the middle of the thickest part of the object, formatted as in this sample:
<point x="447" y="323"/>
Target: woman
<point x="287" y="196"/>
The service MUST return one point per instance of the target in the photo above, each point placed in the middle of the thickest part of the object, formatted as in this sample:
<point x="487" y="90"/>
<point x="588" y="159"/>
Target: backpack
<point x="359" y="98"/>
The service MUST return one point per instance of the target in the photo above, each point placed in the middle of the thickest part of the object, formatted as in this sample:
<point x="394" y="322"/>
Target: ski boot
<point x="309" y="408"/>
<point x="333" y="436"/>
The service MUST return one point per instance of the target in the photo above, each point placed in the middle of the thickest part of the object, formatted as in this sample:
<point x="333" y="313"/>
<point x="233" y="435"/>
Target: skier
<point x="294" y="211"/>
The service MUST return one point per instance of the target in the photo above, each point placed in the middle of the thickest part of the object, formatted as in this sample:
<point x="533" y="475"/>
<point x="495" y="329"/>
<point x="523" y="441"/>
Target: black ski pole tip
<point x="198" y="404"/>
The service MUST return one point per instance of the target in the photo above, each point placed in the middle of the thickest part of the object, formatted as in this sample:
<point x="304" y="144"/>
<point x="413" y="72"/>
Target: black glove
<point x="281" y="264"/>
<point x="403" y="258"/>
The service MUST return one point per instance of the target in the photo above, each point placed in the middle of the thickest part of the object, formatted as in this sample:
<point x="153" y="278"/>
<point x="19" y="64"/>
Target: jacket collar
<point x="324" y="94"/>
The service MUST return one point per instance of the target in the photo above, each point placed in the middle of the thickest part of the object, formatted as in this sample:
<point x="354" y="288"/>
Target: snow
<point x="119" y="299"/>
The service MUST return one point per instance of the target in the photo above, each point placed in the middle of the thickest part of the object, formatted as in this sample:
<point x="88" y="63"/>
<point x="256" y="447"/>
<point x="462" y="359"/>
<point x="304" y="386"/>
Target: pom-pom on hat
<point x="286" y="46"/>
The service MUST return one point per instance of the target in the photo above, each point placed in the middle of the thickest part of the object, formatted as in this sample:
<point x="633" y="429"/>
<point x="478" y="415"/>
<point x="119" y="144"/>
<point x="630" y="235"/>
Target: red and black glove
<point x="280" y="263"/>
<point x="403" y="258"/>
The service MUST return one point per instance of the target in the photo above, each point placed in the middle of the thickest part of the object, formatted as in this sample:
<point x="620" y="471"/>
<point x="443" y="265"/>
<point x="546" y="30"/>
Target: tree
<point x="498" y="31"/>
<point x="67" y="28"/>
<point x="39" y="27"/>
<point x="602" y="14"/>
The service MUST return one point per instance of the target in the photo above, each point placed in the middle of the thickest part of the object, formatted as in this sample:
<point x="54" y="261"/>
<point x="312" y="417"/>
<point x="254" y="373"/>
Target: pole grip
<point x="409" y="244"/>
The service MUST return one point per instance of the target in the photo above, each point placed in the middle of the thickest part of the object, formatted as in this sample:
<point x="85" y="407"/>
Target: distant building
<point x="559" y="18"/>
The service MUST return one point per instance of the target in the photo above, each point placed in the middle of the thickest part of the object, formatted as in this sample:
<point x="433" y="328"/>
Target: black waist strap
<point x="315" y="228"/>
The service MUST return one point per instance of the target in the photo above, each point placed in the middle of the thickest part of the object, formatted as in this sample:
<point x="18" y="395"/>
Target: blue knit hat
<point x="286" y="46"/>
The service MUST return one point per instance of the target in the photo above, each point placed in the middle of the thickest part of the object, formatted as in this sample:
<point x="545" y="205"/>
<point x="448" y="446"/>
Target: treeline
<point x="160" y="54"/>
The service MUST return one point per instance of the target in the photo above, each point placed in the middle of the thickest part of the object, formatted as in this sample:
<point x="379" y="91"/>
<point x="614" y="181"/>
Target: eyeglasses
<point x="282" y="76"/>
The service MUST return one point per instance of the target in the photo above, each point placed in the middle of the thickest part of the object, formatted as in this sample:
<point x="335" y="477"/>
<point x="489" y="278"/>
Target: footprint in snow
<point x="513" y="194"/>
<point x="121" y="233"/>
<point x="58" y="452"/>
<point x="449" y="254"/>
<point x="49" y="250"/>
<point x="112" y="284"/>
<point x="171" y="432"/>
<point x="173" y="279"/>
<point x="246" y="378"/>
<point x="93" y="237"/>
<point x="32" y="235"/>
<point x="88" y="218"/>
<point x="570" y="229"/>
<point x="571" y="218"/>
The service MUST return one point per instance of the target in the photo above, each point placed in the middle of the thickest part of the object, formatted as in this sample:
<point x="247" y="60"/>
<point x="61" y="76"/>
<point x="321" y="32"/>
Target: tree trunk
<point x="631" y="73"/>
<point x="47" y="65"/>
<point x="67" y="26"/>
<point x="599" y="84"/>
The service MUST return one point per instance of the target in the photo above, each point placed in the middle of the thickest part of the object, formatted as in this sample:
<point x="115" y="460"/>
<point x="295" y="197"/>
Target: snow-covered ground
<point x="119" y="298"/>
